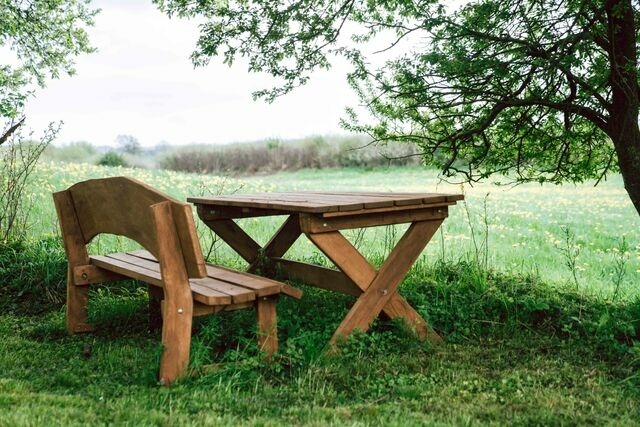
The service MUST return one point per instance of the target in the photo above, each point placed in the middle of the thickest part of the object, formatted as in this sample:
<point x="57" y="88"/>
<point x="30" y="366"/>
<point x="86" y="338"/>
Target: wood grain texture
<point x="177" y="304"/>
<point x="317" y="202"/>
<point x="267" y="325"/>
<point x="321" y="277"/>
<point x="172" y="265"/>
<point x="315" y="224"/>
<point x="386" y="282"/>
<point x="74" y="244"/>
<point x="235" y="237"/>
<point x="91" y="274"/>
<point x="120" y="206"/>
<point x="345" y="256"/>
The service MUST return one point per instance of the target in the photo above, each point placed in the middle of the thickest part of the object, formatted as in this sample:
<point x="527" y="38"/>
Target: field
<point x="526" y="228"/>
<point x="534" y="289"/>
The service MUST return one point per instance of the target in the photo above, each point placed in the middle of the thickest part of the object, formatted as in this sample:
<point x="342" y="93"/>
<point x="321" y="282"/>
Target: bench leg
<point x="267" y="325"/>
<point x="177" y="314"/>
<point x="77" y="302"/>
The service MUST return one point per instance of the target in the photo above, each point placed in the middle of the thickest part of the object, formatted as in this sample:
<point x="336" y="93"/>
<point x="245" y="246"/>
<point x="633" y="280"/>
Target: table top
<point x="322" y="202"/>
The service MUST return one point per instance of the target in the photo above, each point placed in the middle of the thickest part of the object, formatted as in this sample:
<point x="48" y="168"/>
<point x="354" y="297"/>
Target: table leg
<point x="379" y="288"/>
<point x="280" y="243"/>
<point x="229" y="231"/>
<point x="235" y="237"/>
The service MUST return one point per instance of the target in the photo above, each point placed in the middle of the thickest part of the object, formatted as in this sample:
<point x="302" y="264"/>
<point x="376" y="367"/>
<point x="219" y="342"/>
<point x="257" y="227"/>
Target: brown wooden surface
<point x="314" y="224"/>
<point x="235" y="237"/>
<point x="322" y="202"/>
<point x="172" y="265"/>
<point x="321" y="277"/>
<point x="120" y="206"/>
<point x="177" y="305"/>
<point x="76" y="251"/>
<point x="280" y="243"/>
<point x="386" y="282"/>
<point x="267" y="325"/>
<point x="320" y="215"/>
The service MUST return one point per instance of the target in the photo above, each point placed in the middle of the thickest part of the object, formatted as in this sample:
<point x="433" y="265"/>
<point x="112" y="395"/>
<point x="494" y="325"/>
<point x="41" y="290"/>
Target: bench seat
<point x="222" y="286"/>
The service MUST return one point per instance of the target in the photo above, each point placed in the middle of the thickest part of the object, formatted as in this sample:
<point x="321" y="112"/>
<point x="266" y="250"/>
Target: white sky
<point x="142" y="83"/>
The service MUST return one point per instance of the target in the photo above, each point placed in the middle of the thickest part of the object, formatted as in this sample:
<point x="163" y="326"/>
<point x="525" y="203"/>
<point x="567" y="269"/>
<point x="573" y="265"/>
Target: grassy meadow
<point x="534" y="289"/>
<point x="523" y="229"/>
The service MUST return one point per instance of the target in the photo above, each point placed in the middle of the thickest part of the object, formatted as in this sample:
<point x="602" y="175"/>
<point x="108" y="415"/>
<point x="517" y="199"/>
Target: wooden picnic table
<point x="321" y="215"/>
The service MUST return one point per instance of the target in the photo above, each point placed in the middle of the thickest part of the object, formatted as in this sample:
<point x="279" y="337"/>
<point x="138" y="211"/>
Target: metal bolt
<point x="180" y="311"/>
<point x="384" y="292"/>
<point x="85" y="276"/>
<point x="324" y="225"/>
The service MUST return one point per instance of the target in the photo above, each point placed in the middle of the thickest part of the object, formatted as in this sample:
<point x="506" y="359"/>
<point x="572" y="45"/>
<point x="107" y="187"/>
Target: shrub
<point x="18" y="158"/>
<point x="111" y="158"/>
<point x="275" y="155"/>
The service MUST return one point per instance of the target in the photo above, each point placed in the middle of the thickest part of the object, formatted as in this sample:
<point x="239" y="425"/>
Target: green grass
<point x="523" y="345"/>
<point x="524" y="223"/>
<point x="517" y="352"/>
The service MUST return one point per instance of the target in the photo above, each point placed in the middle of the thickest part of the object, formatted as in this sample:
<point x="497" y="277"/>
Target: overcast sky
<point x="141" y="82"/>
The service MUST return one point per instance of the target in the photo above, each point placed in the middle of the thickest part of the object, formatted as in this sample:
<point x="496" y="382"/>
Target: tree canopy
<point x="537" y="90"/>
<point x="39" y="40"/>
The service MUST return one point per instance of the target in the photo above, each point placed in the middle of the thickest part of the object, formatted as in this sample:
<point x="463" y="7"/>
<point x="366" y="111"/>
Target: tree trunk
<point x="625" y="106"/>
<point x="627" y="147"/>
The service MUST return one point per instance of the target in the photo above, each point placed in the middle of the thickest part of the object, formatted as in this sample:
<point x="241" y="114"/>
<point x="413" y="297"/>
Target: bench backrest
<point x="122" y="206"/>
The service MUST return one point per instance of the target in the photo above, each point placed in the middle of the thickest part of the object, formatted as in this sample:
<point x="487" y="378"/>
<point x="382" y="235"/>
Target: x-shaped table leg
<point x="379" y="287"/>
<point x="247" y="248"/>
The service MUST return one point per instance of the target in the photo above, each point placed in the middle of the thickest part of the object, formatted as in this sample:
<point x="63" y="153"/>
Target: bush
<point x="275" y="155"/>
<point x="32" y="275"/>
<point x="112" y="158"/>
<point x="18" y="158"/>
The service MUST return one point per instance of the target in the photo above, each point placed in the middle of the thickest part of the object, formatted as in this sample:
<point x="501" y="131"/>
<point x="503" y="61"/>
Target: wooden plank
<point x="92" y="274"/>
<point x="386" y="282"/>
<point x="316" y="224"/>
<point x="211" y="288"/>
<point x="189" y="242"/>
<point x="205" y="310"/>
<point x="74" y="244"/>
<point x="387" y="209"/>
<point x="235" y="237"/>
<point x="211" y="213"/>
<point x="149" y="272"/>
<point x="267" y="325"/>
<point x="373" y="199"/>
<point x="259" y="203"/>
<point x="177" y="305"/>
<point x="315" y="275"/>
<point x="72" y="237"/>
<point x="345" y="256"/>
<point x="280" y="243"/>
<point x="454" y="197"/>
<point x="260" y="285"/>
<point x="127" y="269"/>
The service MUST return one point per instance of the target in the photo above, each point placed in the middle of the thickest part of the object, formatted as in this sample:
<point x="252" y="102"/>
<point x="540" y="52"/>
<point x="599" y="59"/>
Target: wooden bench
<point x="181" y="284"/>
